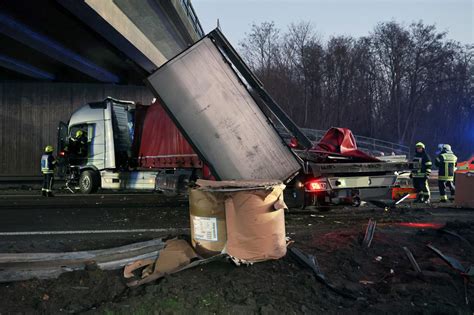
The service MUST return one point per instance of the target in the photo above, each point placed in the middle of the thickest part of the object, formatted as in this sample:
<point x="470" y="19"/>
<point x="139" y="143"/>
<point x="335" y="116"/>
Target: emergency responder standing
<point x="79" y="142"/>
<point x="77" y="148"/>
<point x="48" y="163"/>
<point x="421" y="174"/>
<point x="446" y="163"/>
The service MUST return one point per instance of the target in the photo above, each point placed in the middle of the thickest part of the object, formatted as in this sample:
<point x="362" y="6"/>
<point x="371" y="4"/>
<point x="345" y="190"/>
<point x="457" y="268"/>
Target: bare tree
<point x="260" y="48"/>
<point x="401" y="83"/>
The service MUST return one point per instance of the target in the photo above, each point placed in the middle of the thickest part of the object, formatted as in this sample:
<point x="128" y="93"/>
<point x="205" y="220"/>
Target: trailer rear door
<point x="211" y="104"/>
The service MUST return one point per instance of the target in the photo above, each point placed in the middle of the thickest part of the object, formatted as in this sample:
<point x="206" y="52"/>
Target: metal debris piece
<point x="25" y="266"/>
<point x="402" y="199"/>
<point x="311" y="262"/>
<point x="412" y="259"/>
<point x="455" y="235"/>
<point x="369" y="233"/>
<point x="470" y="271"/>
<point x="453" y="262"/>
<point x="466" y="283"/>
<point x="315" y="262"/>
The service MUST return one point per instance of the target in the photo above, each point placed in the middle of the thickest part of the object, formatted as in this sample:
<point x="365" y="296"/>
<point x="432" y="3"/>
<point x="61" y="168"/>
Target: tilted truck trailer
<point x="230" y="122"/>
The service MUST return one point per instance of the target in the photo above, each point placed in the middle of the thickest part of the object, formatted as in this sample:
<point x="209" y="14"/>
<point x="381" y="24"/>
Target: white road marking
<point x="91" y="232"/>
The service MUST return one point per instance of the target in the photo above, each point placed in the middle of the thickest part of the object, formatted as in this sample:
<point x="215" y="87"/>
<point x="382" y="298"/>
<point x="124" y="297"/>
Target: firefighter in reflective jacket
<point x="422" y="173"/>
<point x="446" y="163"/>
<point x="77" y="148"/>
<point x="79" y="144"/>
<point x="48" y="163"/>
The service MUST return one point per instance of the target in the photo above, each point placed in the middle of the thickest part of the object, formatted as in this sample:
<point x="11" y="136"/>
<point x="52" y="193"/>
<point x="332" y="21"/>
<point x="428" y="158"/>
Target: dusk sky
<point x="337" y="17"/>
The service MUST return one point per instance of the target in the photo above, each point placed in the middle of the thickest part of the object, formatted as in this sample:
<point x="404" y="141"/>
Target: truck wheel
<point x="309" y="199"/>
<point x="89" y="182"/>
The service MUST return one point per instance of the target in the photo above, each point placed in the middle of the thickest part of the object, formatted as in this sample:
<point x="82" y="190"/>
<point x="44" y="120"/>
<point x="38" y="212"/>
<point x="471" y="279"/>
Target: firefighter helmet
<point x="420" y="145"/>
<point x="79" y="133"/>
<point x="48" y="149"/>
<point x="447" y="148"/>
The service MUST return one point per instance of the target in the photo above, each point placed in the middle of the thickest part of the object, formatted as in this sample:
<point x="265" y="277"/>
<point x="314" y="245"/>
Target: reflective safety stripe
<point x="443" y="197"/>
<point x="427" y="187"/>
<point x="447" y="167"/>
<point x="428" y="163"/>
<point x="449" y="157"/>
<point x="419" y="175"/>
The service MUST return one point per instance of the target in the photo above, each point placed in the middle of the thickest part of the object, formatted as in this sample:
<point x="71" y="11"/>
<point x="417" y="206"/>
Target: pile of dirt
<point x="72" y="292"/>
<point x="380" y="278"/>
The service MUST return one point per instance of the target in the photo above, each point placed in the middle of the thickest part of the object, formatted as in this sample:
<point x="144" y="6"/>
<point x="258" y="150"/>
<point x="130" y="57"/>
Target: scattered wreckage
<point x="222" y="126"/>
<point x="228" y="124"/>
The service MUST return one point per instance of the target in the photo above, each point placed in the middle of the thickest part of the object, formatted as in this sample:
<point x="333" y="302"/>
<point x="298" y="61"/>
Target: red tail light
<point x="62" y="153"/>
<point x="315" y="185"/>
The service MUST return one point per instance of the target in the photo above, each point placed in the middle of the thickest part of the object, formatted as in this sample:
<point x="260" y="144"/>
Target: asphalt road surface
<point x="31" y="223"/>
<point x="72" y="222"/>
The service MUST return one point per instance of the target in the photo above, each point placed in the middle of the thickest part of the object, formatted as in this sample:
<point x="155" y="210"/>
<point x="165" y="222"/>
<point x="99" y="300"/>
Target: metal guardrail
<point x="370" y="145"/>
<point x="188" y="8"/>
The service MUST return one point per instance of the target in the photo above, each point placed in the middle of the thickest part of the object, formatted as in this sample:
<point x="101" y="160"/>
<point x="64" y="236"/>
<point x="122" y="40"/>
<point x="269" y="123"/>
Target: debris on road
<point x="176" y="256"/>
<point x="340" y="261"/>
<point x="369" y="233"/>
<point x="24" y="266"/>
<point x="455" y="235"/>
<point x="311" y="263"/>
<point x="244" y="219"/>
<point x="412" y="259"/>
<point x="456" y="264"/>
<point x="453" y="262"/>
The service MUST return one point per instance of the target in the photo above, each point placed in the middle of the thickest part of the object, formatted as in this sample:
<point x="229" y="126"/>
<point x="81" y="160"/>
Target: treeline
<point x="401" y="83"/>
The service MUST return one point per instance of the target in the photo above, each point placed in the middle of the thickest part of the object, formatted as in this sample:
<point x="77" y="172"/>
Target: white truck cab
<point x="109" y="129"/>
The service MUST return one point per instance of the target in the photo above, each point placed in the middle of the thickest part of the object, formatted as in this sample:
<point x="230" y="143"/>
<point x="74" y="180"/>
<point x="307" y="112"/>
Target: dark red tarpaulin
<point x="162" y="145"/>
<point x="341" y="141"/>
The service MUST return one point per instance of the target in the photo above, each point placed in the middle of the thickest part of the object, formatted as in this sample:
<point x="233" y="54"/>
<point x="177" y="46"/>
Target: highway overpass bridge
<point x="55" y="55"/>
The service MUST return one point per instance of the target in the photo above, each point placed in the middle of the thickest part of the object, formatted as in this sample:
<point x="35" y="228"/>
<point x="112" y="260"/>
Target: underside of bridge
<point x="56" y="55"/>
<point x="108" y="41"/>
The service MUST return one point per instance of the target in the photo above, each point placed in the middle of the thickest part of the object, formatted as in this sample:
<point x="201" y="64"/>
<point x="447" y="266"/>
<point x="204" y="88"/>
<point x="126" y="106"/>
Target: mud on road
<point x="380" y="278"/>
